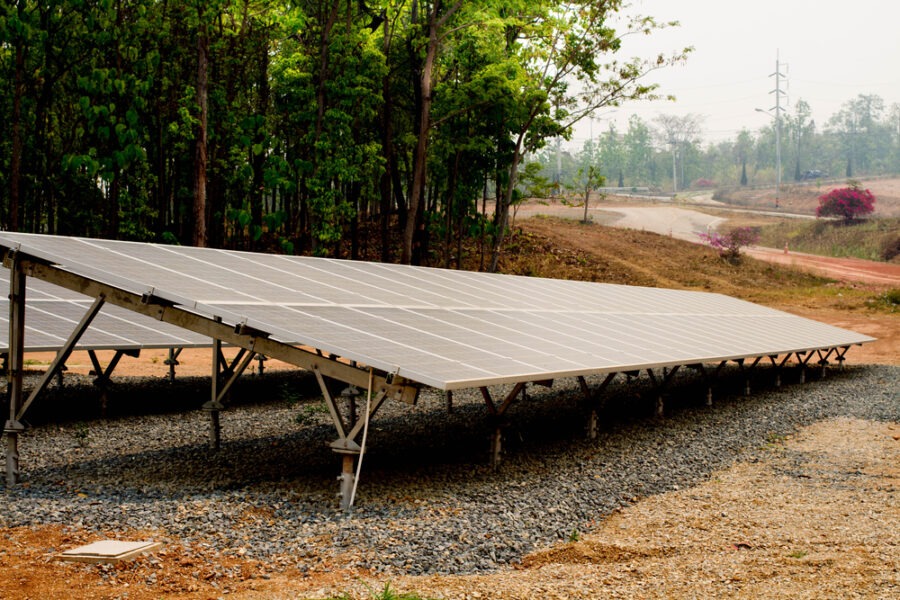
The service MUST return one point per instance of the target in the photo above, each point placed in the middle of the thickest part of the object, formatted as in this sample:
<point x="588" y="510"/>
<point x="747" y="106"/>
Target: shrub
<point x="848" y="203"/>
<point x="729" y="245"/>
<point x="891" y="249"/>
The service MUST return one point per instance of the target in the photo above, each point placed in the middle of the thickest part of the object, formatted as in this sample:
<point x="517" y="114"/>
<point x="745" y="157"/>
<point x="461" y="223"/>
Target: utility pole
<point x="777" y="91"/>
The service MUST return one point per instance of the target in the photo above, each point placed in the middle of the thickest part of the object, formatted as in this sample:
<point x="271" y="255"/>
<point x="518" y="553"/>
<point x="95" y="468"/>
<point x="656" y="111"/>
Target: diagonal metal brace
<point x="63" y="355"/>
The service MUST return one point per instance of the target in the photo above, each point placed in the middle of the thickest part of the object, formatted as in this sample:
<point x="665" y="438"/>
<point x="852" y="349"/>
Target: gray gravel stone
<point x="427" y="501"/>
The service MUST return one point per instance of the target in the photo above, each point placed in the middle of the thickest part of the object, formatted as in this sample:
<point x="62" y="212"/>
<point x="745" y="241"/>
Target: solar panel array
<point x="447" y="329"/>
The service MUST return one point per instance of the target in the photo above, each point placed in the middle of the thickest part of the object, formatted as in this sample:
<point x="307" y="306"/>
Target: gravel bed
<point x="427" y="501"/>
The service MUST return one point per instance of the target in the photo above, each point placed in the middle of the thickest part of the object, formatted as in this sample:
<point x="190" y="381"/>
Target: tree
<point x="638" y="152"/>
<point x="680" y="133"/>
<point x="800" y="127"/>
<point x="567" y="69"/>
<point x="731" y="243"/>
<point x="848" y="203"/>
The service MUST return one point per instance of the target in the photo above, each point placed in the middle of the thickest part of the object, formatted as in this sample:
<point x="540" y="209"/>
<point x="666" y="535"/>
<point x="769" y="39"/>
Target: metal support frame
<point x="252" y="341"/>
<point x="595" y="403"/>
<point x="841" y="356"/>
<point x="63" y="355"/>
<point x="214" y="406"/>
<point x="802" y="363"/>
<point x="13" y="426"/>
<point x="260" y="360"/>
<point x="778" y="366"/>
<point x="348" y="428"/>
<point x="103" y="375"/>
<point x="745" y="370"/>
<point x="172" y="362"/>
<point x="709" y="378"/>
<point x="497" y="414"/>
<point x="823" y="360"/>
<point x="660" y="386"/>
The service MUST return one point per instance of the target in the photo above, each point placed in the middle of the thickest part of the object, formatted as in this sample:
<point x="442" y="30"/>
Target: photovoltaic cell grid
<point x="52" y="312"/>
<point x="447" y="329"/>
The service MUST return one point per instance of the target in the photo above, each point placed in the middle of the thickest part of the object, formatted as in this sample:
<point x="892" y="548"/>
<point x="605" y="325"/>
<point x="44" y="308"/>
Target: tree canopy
<point x="303" y="127"/>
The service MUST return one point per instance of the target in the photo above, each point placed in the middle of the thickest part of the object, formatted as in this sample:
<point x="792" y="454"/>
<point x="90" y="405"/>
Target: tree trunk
<point x="200" y="236"/>
<point x="259" y="158"/>
<point x="387" y="147"/>
<point x="503" y="205"/>
<point x="15" y="167"/>
<point x="415" y="227"/>
<point x="413" y="222"/>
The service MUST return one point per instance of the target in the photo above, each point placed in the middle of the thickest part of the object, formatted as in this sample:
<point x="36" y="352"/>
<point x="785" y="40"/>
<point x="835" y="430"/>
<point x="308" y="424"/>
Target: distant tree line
<point x="296" y="125"/>
<point x="862" y="138"/>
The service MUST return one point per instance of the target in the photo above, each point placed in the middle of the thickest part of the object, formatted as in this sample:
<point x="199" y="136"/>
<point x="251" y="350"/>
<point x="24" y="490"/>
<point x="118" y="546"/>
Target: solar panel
<point x="52" y="312"/>
<point x="447" y="329"/>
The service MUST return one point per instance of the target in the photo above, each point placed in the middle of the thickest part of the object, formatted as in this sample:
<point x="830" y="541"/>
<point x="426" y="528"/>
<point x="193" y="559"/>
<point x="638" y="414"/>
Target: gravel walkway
<point x="427" y="501"/>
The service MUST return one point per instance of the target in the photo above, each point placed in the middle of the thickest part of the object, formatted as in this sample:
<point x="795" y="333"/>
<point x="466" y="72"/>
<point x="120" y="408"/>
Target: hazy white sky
<point x="829" y="51"/>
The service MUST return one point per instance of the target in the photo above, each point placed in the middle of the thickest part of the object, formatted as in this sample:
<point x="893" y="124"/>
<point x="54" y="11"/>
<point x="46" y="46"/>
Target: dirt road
<point x="842" y="269"/>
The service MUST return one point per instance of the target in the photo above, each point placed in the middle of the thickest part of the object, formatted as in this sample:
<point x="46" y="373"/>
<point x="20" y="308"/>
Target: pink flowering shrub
<point x="704" y="183"/>
<point x="847" y="203"/>
<point x="729" y="244"/>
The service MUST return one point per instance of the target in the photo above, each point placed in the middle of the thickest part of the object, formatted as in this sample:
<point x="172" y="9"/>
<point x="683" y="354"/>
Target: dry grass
<point x="870" y="239"/>
<point x="560" y="248"/>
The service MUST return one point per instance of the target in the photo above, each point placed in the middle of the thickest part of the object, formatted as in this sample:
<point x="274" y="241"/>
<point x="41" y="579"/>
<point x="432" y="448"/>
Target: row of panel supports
<point x="660" y="380"/>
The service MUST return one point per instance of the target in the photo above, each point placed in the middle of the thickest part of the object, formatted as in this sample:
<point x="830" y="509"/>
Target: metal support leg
<point x="823" y="360"/>
<point x="103" y="375"/>
<point x="449" y="402"/>
<point x="13" y="426"/>
<point x="260" y="362"/>
<point x="660" y="385"/>
<point x="347" y="479"/>
<point x="496" y="446"/>
<point x="172" y="362"/>
<point x="803" y="362"/>
<point x="708" y="377"/>
<point x="595" y="402"/>
<point x="496" y="417"/>
<point x="214" y="406"/>
<point x="740" y="363"/>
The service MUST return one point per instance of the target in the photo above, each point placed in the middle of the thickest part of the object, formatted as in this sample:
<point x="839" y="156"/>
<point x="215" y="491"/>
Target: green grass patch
<point x="888" y="301"/>
<point x="872" y="239"/>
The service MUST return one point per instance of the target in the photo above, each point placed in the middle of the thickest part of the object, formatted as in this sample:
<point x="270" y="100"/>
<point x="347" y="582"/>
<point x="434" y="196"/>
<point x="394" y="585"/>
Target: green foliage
<point x="309" y="414"/>
<point x="888" y="300"/>
<point x="311" y="112"/>
<point x="386" y="593"/>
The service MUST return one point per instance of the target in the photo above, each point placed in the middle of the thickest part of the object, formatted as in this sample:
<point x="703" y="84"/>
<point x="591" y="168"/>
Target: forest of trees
<point x="301" y="127"/>
<point x="861" y="139"/>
